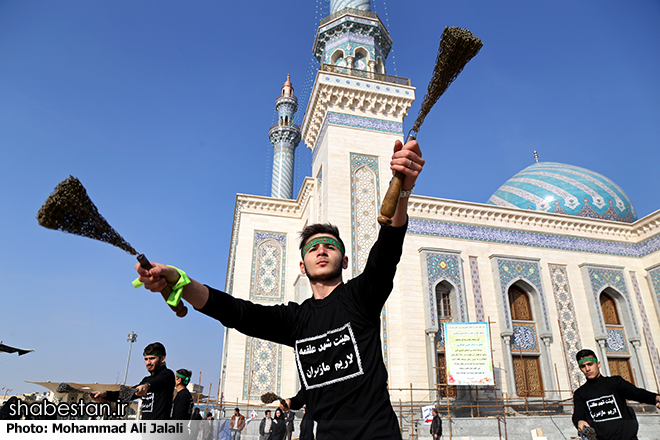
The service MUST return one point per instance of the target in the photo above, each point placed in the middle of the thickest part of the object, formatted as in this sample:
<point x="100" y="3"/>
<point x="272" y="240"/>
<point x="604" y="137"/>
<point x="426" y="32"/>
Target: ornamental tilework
<point x="532" y="239"/>
<point x="601" y="278"/>
<point x="348" y="42"/>
<point x="229" y="282"/>
<point x="263" y="366"/>
<point x="513" y="270"/>
<point x="355" y="122"/>
<point x="365" y="200"/>
<point x="654" y="281"/>
<point x="524" y="338"/>
<point x="645" y="325"/>
<point x="440" y="267"/>
<point x="616" y="341"/>
<point x="268" y="266"/>
<point x="367" y="123"/>
<point x="476" y="289"/>
<point x="568" y="323"/>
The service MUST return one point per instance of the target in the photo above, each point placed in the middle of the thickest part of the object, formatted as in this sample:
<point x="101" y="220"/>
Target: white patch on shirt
<point x="148" y="403"/>
<point x="604" y="408"/>
<point x="328" y="358"/>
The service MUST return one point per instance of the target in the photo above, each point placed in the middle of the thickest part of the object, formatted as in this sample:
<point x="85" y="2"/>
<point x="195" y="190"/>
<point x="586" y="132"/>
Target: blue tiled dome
<point x="565" y="189"/>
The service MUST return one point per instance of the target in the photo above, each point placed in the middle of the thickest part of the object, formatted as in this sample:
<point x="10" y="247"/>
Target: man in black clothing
<point x="600" y="404"/>
<point x="436" y="425"/>
<point x="156" y="390"/>
<point x="335" y="333"/>
<point x="182" y="407"/>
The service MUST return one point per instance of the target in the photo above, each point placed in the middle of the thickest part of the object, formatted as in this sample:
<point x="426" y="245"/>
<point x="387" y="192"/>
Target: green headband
<point x="324" y="239"/>
<point x="186" y="378"/>
<point x="587" y="359"/>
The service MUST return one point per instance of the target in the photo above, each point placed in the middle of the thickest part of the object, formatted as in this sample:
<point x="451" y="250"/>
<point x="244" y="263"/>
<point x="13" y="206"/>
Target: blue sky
<point x="162" y="110"/>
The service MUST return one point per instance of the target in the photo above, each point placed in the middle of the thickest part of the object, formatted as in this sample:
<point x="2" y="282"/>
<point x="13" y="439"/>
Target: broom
<point x="272" y="397"/>
<point x="457" y="47"/>
<point x="125" y="393"/>
<point x="70" y="209"/>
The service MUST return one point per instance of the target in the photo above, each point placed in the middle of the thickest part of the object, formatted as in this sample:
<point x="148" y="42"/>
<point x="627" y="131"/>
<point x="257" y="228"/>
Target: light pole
<point x="132" y="337"/>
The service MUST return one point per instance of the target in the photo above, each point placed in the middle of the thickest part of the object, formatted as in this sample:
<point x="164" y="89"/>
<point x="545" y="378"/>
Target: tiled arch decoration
<point x="654" y="282"/>
<point x="511" y="270"/>
<point x="263" y="368"/>
<point x="268" y="266"/>
<point x="602" y="277"/>
<point x="568" y="323"/>
<point x="442" y="266"/>
<point x="365" y="200"/>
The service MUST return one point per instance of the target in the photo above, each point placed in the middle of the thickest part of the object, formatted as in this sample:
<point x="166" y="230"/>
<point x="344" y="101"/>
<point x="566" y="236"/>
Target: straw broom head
<point x="457" y="47"/>
<point x="70" y="209"/>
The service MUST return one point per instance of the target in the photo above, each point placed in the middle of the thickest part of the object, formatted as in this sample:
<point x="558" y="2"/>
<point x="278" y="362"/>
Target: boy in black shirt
<point x="156" y="390"/>
<point x="335" y="333"/>
<point x="600" y="404"/>
<point x="182" y="407"/>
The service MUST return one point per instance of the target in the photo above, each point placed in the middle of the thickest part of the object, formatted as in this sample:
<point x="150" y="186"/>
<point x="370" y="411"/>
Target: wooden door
<point x="527" y="371"/>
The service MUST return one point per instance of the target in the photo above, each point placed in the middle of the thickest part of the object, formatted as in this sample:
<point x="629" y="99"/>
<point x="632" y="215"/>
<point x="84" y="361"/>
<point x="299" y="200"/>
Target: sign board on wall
<point x="467" y="353"/>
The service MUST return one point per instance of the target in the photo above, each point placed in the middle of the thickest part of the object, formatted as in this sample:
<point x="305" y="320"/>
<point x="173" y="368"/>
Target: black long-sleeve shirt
<point x="182" y="406"/>
<point x="603" y="401"/>
<point x="157" y="405"/>
<point x="337" y="345"/>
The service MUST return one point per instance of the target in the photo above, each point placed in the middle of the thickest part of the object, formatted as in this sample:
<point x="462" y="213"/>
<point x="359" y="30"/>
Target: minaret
<point x="353" y="38"/>
<point x="285" y="137"/>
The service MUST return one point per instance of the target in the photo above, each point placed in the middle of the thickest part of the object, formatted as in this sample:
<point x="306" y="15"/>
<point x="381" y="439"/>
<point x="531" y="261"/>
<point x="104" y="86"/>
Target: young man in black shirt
<point x="600" y="409"/>
<point x="335" y="333"/>
<point x="156" y="390"/>
<point x="182" y="406"/>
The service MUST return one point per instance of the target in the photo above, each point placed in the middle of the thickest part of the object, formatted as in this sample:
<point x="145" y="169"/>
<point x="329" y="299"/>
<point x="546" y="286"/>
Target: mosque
<point x="555" y="261"/>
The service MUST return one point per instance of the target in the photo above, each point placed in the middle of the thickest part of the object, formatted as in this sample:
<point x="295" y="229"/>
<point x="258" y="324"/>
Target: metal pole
<point x="132" y="337"/>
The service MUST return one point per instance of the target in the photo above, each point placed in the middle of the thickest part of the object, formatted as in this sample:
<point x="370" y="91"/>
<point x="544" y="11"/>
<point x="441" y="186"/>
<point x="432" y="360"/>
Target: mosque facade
<point x="555" y="261"/>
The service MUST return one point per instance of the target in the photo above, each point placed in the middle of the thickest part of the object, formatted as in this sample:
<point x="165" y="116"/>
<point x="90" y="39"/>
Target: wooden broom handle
<point x="181" y="310"/>
<point x="391" y="199"/>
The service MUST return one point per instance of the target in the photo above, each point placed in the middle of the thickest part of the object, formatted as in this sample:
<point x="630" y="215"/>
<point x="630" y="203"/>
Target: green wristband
<point x="177" y="290"/>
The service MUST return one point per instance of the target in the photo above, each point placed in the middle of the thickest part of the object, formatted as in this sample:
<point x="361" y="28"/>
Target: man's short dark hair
<point x="585" y="353"/>
<point x="155" y="348"/>
<point x="267" y="411"/>
<point x="319" y="228"/>
<point x="186" y="373"/>
<point x="237" y="410"/>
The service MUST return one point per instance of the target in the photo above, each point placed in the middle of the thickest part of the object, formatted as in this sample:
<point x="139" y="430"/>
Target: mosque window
<point x="616" y="346"/>
<point x="520" y="309"/>
<point x="338" y="58"/>
<point x="360" y="61"/>
<point x="524" y="345"/>
<point x="608" y="306"/>
<point x="443" y="293"/>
